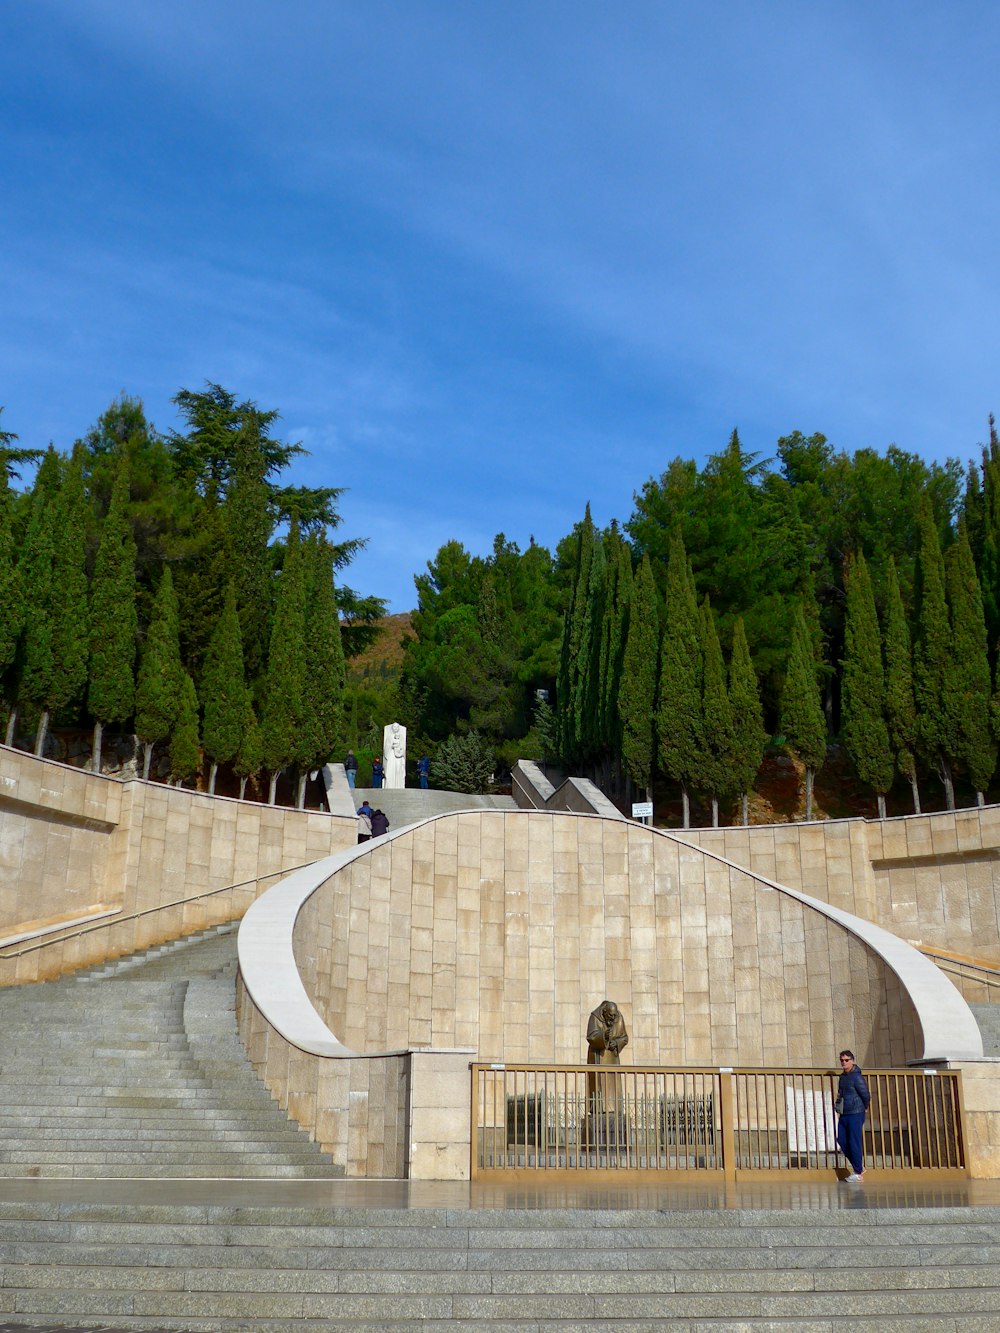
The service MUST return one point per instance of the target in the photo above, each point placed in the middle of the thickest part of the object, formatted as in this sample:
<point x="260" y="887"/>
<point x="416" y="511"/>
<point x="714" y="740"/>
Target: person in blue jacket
<point x="854" y="1097"/>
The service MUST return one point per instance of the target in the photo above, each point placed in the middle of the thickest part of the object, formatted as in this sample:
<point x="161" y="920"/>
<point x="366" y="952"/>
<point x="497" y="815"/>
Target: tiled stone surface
<point x="510" y="956"/>
<point x="71" y="840"/>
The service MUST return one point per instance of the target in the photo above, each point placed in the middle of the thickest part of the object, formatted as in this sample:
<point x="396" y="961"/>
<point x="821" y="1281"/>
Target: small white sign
<point x="642" y="810"/>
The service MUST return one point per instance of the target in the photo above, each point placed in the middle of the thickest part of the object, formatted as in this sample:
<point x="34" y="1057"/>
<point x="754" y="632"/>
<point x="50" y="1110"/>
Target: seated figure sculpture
<point x="606" y="1038"/>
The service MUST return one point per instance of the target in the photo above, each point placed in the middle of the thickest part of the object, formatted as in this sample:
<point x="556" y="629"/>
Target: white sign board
<point x="642" y="810"/>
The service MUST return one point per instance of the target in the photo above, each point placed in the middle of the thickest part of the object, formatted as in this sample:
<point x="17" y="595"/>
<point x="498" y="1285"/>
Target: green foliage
<point x="464" y="763"/>
<point x="863" y="725"/>
<point x="11" y="608"/>
<point x="68" y="602"/>
<point x="160" y="680"/>
<point x="968" y="693"/>
<point x="224" y="692"/>
<point x="802" y="720"/>
<point x="637" y="693"/>
<point x="679" y="716"/>
<point x="184" y="754"/>
<point x="113" y="618"/>
<point x="717" y="774"/>
<point x="281" y="715"/>
<point x="249" y="527"/>
<point x="900" y="706"/>
<point x="749" y="736"/>
<point x="249" y="758"/>
<point x="932" y="652"/>
<point x="323" y="686"/>
<point x="575" y="655"/>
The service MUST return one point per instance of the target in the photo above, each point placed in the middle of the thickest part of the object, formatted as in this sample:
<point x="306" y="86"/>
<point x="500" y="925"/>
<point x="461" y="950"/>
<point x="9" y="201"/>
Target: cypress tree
<point x="969" y="670"/>
<point x="802" y="718"/>
<point x="37" y="657"/>
<point x="679" y="720"/>
<point x="281" y="714"/>
<point x="323" y="687"/>
<point x="932" y="657"/>
<point x="224" y="692"/>
<point x="248" y="518"/>
<point x="989" y="535"/>
<point x="637" y="692"/>
<point x="900" y="708"/>
<point x="250" y="754"/>
<point x="614" y="634"/>
<point x="70" y="625"/>
<point x="11" y="607"/>
<point x="863" y="724"/>
<point x="749" y="736"/>
<point x="575" y="640"/>
<point x="588" y="711"/>
<point x="158" y="688"/>
<point x="718" y="734"/>
<point x="113" y="621"/>
<point x="184" y="754"/>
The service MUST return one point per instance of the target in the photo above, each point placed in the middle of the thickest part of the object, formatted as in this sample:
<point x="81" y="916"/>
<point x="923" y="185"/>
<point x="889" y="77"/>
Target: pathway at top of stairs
<point x="137" y="1070"/>
<point x="407" y="805"/>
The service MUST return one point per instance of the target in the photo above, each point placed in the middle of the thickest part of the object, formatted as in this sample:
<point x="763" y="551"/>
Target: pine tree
<point x="113" y="620"/>
<point x="323" y="687"/>
<point x="932" y="657"/>
<point x="281" y="714"/>
<point x="184" y="753"/>
<point x="749" y="736"/>
<point x="464" y="763"/>
<point x="802" y="719"/>
<point x="225" y="696"/>
<point x="863" y="725"/>
<point x="968" y="677"/>
<point x="900" y="708"/>
<point x="637" y="693"/>
<point x="160" y="680"/>
<point x="718" y="733"/>
<point x="679" y="720"/>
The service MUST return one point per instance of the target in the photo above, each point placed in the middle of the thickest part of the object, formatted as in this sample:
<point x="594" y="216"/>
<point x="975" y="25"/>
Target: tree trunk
<point x="949" y="784"/>
<point x="147" y="759"/>
<point x="809" y="794"/>
<point x="300" y="795"/>
<point x="243" y="788"/>
<point x="40" y="734"/>
<point x="715" y="812"/>
<point x="745" y="808"/>
<point x="95" y="758"/>
<point x="273" y="787"/>
<point x="211" y="778"/>
<point x="914" y="788"/>
<point x="11" y="726"/>
<point x="880" y="798"/>
<point x="686" y="803"/>
<point x="980" y="799"/>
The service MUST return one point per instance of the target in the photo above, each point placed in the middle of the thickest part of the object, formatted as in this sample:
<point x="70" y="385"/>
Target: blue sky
<point x="493" y="259"/>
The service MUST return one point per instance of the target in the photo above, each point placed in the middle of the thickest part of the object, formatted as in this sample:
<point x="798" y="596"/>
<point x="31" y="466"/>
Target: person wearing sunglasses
<point x="853" y="1099"/>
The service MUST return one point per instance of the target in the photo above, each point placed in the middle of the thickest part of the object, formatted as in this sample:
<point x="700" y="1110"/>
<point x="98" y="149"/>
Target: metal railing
<point x="730" y="1123"/>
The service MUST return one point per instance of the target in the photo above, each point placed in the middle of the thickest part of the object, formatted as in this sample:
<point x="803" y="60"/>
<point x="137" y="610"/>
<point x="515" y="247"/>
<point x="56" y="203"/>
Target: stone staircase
<point x="988" y="1018"/>
<point x="508" y="1270"/>
<point x="137" y="1070"/>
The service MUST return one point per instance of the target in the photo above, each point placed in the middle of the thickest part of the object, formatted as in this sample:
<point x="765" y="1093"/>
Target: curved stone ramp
<point x="141" y="1073"/>
<point x="825" y="1265"/>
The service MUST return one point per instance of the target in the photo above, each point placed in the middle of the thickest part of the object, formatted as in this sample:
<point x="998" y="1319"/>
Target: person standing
<point x="424" y="771"/>
<point x="380" y="823"/>
<point x="378" y="773"/>
<point x="853" y="1099"/>
<point x="365" y="822"/>
<point x="351" y="769"/>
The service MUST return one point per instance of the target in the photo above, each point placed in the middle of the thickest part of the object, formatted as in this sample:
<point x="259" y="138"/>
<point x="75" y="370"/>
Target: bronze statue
<point x="606" y="1035"/>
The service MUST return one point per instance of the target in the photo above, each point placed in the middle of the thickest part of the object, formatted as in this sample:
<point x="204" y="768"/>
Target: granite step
<point x="206" y="1267"/>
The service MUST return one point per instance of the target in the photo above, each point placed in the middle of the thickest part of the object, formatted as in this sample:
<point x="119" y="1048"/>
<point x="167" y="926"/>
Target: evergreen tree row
<point x="144" y="587"/>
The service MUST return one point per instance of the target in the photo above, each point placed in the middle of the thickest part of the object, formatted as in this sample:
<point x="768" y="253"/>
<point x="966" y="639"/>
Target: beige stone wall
<point x="171" y="861"/>
<point x="981" y="1096"/>
<point x="931" y="879"/>
<point x="503" y="931"/>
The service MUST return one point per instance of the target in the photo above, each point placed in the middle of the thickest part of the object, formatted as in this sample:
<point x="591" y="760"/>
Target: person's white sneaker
<point x="854" y="1178"/>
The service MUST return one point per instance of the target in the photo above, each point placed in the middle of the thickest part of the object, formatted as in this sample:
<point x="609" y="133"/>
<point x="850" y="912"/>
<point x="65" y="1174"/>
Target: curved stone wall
<point x="501" y="931"/>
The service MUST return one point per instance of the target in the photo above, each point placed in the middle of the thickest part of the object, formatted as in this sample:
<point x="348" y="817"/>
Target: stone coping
<point x="271" y="976"/>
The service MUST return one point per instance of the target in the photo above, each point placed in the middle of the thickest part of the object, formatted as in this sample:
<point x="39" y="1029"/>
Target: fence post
<point x="727" y="1136"/>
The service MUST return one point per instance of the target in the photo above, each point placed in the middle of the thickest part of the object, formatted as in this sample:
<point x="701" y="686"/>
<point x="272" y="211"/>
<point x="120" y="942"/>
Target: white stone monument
<point x="394" y="755"/>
